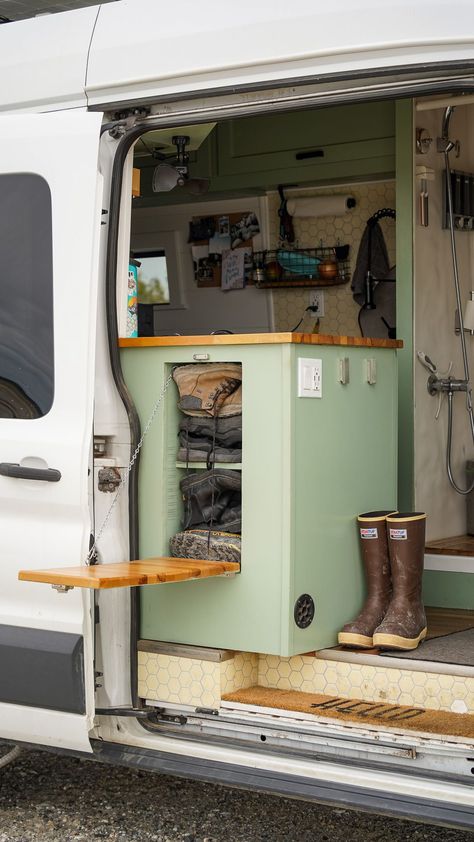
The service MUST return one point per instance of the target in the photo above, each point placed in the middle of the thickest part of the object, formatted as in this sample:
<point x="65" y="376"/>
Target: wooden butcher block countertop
<point x="258" y="339"/>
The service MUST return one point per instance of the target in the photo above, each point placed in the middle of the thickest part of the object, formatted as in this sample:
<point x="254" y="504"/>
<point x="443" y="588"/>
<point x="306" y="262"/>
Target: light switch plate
<point x="371" y="371"/>
<point x="343" y="370"/>
<point x="310" y="378"/>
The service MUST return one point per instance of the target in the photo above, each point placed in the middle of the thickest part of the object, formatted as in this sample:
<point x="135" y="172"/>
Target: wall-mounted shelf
<point x="302" y="282"/>
<point x="294" y="267"/>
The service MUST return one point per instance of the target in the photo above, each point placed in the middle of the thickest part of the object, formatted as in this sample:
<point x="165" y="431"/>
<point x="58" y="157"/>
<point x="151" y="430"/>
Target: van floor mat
<point x="454" y="648"/>
<point x="357" y="711"/>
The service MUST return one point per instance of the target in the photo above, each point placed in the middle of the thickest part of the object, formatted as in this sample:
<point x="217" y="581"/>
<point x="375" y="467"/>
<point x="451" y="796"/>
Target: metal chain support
<point x="93" y="550"/>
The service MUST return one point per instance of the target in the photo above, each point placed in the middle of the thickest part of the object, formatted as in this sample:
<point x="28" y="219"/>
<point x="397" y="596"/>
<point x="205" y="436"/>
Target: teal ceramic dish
<point x="298" y="263"/>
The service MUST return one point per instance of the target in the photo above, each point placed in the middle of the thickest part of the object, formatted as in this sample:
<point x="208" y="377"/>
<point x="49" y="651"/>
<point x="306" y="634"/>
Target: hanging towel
<point x="377" y="260"/>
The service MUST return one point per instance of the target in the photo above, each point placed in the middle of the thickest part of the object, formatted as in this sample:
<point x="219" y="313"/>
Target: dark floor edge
<point x="290" y="786"/>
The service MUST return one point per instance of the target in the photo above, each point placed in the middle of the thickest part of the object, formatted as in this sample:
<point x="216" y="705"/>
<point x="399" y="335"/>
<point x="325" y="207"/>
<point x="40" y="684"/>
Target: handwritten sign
<point x="233" y="269"/>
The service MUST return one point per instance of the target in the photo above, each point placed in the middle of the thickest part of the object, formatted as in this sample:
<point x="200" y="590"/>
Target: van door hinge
<point x="124" y="120"/>
<point x="109" y="479"/>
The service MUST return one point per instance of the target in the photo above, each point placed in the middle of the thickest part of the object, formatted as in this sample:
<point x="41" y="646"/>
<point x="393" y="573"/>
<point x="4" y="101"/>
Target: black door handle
<point x="12" y="469"/>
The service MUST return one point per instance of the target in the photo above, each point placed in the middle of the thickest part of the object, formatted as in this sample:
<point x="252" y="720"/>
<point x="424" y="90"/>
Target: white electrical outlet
<point x="316" y="299"/>
<point x="310" y="378"/>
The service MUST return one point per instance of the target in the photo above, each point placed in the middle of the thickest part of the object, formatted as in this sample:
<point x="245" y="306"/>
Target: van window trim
<point x="408" y="81"/>
<point x="139" y="126"/>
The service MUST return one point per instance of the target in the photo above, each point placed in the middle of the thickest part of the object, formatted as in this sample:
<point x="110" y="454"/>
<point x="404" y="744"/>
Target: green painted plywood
<point x="231" y="613"/>
<point x="257" y="153"/>
<point x="448" y="590"/>
<point x="345" y="462"/>
<point x="308" y="467"/>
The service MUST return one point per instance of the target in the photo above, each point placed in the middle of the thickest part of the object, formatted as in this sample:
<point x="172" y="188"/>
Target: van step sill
<point x="358" y="711"/>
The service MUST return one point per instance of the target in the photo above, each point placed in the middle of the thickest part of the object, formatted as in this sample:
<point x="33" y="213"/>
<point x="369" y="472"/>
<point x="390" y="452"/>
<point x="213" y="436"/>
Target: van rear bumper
<point x="394" y="804"/>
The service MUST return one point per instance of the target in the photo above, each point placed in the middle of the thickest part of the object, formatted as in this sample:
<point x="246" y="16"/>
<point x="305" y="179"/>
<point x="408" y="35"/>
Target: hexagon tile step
<point x="199" y="677"/>
<point x="313" y="674"/>
<point x="192" y="675"/>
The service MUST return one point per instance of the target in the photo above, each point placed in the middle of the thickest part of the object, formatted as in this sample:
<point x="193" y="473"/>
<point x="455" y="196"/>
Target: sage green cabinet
<point x="309" y="465"/>
<point x="352" y="141"/>
<point x="257" y="153"/>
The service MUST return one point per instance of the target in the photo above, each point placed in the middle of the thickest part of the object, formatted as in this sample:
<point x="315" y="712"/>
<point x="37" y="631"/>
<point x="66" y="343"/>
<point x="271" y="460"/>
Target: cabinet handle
<point x="314" y="153"/>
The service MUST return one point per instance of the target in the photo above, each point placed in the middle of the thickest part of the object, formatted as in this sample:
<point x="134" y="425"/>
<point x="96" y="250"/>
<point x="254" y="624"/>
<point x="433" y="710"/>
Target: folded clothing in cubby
<point x="206" y="544"/>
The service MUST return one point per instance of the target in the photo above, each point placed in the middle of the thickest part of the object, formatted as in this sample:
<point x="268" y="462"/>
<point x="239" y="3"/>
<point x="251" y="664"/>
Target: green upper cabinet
<point x="317" y="146"/>
<point x="324" y="144"/>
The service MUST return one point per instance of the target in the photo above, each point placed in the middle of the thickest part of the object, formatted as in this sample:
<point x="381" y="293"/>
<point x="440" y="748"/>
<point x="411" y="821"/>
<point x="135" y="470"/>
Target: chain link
<point x="124" y="480"/>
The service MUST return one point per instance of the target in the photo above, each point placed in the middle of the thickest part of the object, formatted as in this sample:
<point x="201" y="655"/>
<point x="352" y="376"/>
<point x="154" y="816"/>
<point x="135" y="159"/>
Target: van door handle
<point x="12" y="469"/>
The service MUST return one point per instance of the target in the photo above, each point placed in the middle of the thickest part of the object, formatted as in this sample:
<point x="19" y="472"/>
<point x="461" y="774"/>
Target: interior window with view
<point x="26" y="286"/>
<point x="152" y="275"/>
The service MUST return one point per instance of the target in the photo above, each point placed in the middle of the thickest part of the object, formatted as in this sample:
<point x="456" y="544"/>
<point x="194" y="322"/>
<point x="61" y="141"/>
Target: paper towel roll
<point x="320" y="206"/>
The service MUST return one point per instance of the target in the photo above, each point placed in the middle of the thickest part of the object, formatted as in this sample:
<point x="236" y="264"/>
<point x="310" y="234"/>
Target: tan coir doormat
<point x="358" y="711"/>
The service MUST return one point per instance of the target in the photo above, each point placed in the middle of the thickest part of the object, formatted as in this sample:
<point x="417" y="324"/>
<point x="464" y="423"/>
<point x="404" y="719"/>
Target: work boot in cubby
<point x="210" y="439"/>
<point x="373" y="541"/>
<point x="232" y="404"/>
<point x="206" y="544"/>
<point x="212" y="499"/>
<point x="205" y="388"/>
<point x="404" y="625"/>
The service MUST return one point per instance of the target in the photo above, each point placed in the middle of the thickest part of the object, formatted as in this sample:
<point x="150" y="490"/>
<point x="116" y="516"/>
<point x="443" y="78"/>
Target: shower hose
<point x="462" y="336"/>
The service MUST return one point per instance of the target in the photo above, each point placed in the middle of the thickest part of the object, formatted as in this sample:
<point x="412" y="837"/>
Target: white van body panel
<point x="45" y="728"/>
<point x="142" y="49"/>
<point x="48" y="524"/>
<point x="43" y="61"/>
<point x="392" y="782"/>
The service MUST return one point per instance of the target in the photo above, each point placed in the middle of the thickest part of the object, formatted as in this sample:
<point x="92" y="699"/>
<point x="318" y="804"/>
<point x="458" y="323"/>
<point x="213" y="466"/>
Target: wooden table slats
<point x="126" y="574"/>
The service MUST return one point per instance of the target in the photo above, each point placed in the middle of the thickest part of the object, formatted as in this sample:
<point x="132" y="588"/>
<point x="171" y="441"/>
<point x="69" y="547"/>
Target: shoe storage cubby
<point x="208" y="439"/>
<point x="309" y="465"/>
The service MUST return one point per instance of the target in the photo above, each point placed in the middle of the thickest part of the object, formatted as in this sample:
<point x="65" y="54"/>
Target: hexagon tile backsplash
<point x="341" y="311"/>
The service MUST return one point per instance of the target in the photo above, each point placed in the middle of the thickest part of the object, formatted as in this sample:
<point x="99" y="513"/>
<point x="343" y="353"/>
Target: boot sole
<point x="359" y="641"/>
<point x="393" y="641"/>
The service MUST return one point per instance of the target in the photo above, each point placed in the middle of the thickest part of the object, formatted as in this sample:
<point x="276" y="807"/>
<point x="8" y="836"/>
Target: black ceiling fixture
<point x="167" y="176"/>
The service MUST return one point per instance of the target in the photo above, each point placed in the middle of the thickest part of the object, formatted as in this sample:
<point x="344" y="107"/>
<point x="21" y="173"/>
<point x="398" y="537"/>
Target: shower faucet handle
<point x="426" y="361"/>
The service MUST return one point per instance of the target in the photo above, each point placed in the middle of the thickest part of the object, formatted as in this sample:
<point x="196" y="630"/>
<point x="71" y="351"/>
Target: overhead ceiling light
<point x="165" y="178"/>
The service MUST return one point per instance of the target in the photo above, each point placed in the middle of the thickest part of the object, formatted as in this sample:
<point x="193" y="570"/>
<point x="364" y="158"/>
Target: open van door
<point x="50" y="211"/>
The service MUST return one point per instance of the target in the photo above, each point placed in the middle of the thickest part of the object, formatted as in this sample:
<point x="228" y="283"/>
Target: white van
<point x="237" y="153"/>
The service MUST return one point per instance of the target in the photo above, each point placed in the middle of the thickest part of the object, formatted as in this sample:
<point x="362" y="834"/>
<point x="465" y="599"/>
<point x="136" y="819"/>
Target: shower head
<point x="446" y="120"/>
<point x="443" y="143"/>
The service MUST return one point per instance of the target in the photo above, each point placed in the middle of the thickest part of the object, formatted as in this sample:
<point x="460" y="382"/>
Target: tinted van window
<point x="26" y="297"/>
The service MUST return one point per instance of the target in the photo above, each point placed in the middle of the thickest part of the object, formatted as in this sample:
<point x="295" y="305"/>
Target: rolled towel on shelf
<point x="320" y="206"/>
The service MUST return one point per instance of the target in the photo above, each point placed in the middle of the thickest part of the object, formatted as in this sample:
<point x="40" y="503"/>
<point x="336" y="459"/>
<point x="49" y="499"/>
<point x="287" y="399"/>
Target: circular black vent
<point x="304" y="611"/>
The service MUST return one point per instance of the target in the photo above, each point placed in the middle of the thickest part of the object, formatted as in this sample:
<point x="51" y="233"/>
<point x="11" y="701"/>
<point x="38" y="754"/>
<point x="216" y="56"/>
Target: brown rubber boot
<point x="373" y="541"/>
<point x="207" y="389"/>
<point x="404" y="625"/>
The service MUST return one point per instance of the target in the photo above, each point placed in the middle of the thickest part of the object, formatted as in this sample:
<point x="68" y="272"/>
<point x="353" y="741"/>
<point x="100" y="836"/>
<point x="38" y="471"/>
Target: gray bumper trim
<point x="42" y="669"/>
<point x="322" y="792"/>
